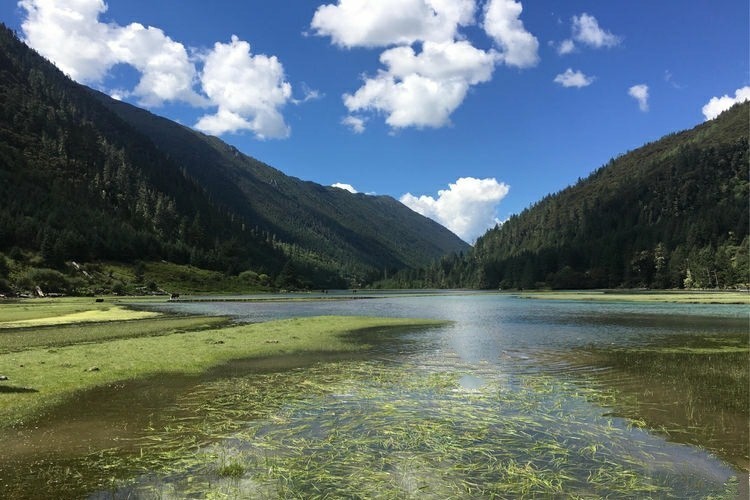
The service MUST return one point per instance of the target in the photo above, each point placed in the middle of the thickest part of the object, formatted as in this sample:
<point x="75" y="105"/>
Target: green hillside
<point x="376" y="230"/>
<point x="671" y="214"/>
<point x="86" y="178"/>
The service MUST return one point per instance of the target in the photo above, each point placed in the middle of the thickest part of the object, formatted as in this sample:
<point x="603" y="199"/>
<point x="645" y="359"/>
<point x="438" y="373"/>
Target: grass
<point x="111" y="313"/>
<point x="42" y="377"/>
<point x="676" y="296"/>
<point x="50" y="309"/>
<point x="364" y="429"/>
<point x="19" y="339"/>
<point x="703" y="381"/>
<point x="184" y="278"/>
<point x="232" y="467"/>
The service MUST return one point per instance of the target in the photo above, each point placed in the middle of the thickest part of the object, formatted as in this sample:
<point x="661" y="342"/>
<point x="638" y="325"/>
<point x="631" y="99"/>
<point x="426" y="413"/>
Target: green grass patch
<point x="44" y="377"/>
<point x="19" y="339"/>
<point x="111" y="313"/>
<point x="31" y="309"/>
<point x="189" y="279"/>
<point x="232" y="468"/>
<point x="678" y="297"/>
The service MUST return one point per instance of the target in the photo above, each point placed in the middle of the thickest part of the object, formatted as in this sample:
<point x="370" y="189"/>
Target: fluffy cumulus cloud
<point x="585" y="30"/>
<point x="468" y="207"/>
<point x="380" y="23"/>
<point x="429" y="66"/>
<point x="718" y="105"/>
<point x="70" y="34"/>
<point x="502" y="22"/>
<point x="422" y="89"/>
<point x="248" y="89"/>
<point x="574" y="79"/>
<point x="640" y="93"/>
<point x="167" y="74"/>
<point x="566" y="47"/>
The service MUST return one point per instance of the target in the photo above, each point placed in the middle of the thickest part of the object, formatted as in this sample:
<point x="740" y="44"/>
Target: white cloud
<point x="502" y="23"/>
<point x="468" y="207"/>
<point x="640" y="94"/>
<point x="380" y="23"/>
<point x="566" y="47"/>
<point x="68" y="33"/>
<point x="574" y="79"/>
<point x="429" y="64"/>
<point x="586" y="30"/>
<point x="309" y="95"/>
<point x="356" y="123"/>
<point x="167" y="74"/>
<point x="442" y="61"/>
<point x="346" y="187"/>
<point x="422" y="90"/>
<point x="248" y="89"/>
<point x="718" y="105"/>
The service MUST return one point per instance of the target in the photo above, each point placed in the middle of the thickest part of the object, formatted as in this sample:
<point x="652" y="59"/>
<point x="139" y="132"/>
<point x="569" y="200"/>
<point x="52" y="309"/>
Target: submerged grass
<point x="360" y="429"/>
<point x="693" y="389"/>
<point x="53" y="375"/>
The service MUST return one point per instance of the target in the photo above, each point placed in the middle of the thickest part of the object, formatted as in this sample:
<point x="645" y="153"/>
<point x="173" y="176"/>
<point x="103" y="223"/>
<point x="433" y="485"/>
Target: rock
<point x="3" y="377"/>
<point x="92" y="369"/>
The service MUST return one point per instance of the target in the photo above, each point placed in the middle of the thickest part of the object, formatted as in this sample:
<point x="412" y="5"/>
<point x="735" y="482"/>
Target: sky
<point x="468" y="111"/>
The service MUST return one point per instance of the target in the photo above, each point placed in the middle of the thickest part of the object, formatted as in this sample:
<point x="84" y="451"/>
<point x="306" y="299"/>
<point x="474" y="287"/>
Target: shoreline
<point x="651" y="296"/>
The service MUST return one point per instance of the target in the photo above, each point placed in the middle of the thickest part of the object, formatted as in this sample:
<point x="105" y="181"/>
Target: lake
<point x="515" y="397"/>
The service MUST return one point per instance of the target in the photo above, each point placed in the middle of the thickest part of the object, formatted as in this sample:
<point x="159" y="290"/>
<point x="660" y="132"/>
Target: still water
<point x="513" y="398"/>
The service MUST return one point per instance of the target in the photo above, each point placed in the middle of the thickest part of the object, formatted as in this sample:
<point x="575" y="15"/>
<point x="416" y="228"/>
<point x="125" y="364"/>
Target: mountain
<point x="671" y="214"/>
<point x="84" y="177"/>
<point x="339" y="226"/>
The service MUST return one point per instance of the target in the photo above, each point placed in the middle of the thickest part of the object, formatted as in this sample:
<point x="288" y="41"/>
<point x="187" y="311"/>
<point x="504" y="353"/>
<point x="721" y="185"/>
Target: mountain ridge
<point x="294" y="199"/>
<point x="86" y="177"/>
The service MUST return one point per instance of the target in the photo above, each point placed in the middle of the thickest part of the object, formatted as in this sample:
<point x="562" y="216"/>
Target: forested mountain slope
<point x="671" y="214"/>
<point x="673" y="210"/>
<point x="339" y="226"/>
<point x="76" y="182"/>
<point x="83" y="177"/>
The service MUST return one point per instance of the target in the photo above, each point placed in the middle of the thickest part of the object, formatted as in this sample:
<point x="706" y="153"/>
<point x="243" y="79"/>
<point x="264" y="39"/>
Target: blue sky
<point x="467" y="110"/>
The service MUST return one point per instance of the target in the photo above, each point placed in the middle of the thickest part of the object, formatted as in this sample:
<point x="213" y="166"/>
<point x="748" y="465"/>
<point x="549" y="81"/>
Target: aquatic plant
<point x="372" y="429"/>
